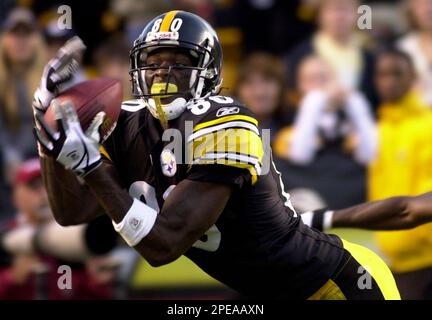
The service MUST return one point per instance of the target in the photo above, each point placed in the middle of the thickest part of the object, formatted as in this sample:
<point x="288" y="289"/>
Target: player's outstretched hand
<point x="74" y="149"/>
<point x="58" y="70"/>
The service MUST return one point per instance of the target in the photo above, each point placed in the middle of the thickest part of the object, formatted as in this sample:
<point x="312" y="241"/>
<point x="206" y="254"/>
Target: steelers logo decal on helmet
<point x="168" y="163"/>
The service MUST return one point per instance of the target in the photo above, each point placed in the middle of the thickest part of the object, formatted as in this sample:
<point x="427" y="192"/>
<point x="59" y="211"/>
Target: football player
<point x="213" y="202"/>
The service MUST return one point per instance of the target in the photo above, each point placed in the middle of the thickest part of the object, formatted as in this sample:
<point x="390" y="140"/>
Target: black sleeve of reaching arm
<point x="219" y="173"/>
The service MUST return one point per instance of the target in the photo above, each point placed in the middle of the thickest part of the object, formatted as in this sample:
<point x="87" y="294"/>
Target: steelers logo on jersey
<point x="168" y="163"/>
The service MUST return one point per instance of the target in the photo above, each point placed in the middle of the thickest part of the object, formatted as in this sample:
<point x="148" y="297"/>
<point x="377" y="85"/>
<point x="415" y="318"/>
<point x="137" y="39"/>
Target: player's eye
<point x="152" y="65"/>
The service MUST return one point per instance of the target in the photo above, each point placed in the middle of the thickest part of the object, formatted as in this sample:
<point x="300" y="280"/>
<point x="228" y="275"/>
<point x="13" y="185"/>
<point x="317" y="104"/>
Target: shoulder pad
<point x="225" y="133"/>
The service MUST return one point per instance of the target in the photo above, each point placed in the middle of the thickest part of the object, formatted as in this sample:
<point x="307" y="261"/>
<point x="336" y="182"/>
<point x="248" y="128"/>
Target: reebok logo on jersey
<point x="227" y="111"/>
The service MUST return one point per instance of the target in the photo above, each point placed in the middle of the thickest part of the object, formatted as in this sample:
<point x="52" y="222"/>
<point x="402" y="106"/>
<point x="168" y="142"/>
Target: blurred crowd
<point x="349" y="109"/>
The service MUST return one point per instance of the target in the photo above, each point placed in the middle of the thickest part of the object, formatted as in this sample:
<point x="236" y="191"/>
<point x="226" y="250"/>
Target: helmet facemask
<point x="200" y="74"/>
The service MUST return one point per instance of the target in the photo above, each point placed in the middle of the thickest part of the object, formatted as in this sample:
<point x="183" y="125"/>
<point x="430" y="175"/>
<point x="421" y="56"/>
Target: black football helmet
<point x="182" y="30"/>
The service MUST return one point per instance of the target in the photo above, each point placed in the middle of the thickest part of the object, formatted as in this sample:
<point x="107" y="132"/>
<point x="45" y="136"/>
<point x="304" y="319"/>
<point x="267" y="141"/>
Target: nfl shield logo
<point x="168" y="163"/>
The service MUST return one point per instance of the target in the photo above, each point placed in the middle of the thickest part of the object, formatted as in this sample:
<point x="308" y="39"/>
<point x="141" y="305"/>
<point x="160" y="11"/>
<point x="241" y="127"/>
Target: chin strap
<point x="170" y="111"/>
<point x="161" y="112"/>
<point x="165" y="112"/>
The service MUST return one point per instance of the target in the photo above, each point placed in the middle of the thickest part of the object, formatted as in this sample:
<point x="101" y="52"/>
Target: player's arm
<point x="190" y="210"/>
<point x="71" y="201"/>
<point x="395" y="213"/>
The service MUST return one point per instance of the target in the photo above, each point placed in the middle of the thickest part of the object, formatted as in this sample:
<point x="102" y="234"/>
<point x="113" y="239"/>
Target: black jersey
<point x="259" y="245"/>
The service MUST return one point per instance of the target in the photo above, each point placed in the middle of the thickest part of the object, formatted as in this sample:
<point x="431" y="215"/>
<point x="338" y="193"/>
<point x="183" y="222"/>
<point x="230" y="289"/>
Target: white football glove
<point x="58" y="70"/>
<point x="74" y="149"/>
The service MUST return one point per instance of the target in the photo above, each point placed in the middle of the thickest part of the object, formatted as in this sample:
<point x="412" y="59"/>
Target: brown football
<point x="89" y="98"/>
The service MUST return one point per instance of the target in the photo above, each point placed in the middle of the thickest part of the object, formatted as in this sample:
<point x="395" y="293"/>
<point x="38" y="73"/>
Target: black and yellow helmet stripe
<point x="167" y="20"/>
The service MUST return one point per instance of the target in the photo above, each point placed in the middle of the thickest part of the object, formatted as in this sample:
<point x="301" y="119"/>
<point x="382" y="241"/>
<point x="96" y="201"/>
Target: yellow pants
<point x="364" y="276"/>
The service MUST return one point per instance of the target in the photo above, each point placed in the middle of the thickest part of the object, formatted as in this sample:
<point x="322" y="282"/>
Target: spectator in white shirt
<point x="329" y="113"/>
<point x="418" y="45"/>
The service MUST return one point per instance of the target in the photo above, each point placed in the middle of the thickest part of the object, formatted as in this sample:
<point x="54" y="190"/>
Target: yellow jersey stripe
<point x="225" y="119"/>
<point x="240" y="141"/>
<point x="231" y="159"/>
<point x="167" y="20"/>
<point x="223" y="127"/>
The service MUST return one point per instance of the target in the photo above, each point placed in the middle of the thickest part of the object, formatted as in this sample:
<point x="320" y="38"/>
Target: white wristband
<point x="137" y="223"/>
<point x="328" y="220"/>
<point x="307" y="218"/>
<point x="319" y="219"/>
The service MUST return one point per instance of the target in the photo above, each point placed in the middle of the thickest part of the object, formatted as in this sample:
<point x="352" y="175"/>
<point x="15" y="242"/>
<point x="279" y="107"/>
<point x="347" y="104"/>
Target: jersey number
<point x="202" y="106"/>
<point x="144" y="192"/>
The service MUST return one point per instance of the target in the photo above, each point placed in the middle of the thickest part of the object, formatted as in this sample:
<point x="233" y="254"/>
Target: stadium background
<point x="265" y="42"/>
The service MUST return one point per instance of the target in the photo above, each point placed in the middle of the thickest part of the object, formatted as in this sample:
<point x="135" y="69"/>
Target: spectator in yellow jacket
<point x="403" y="166"/>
